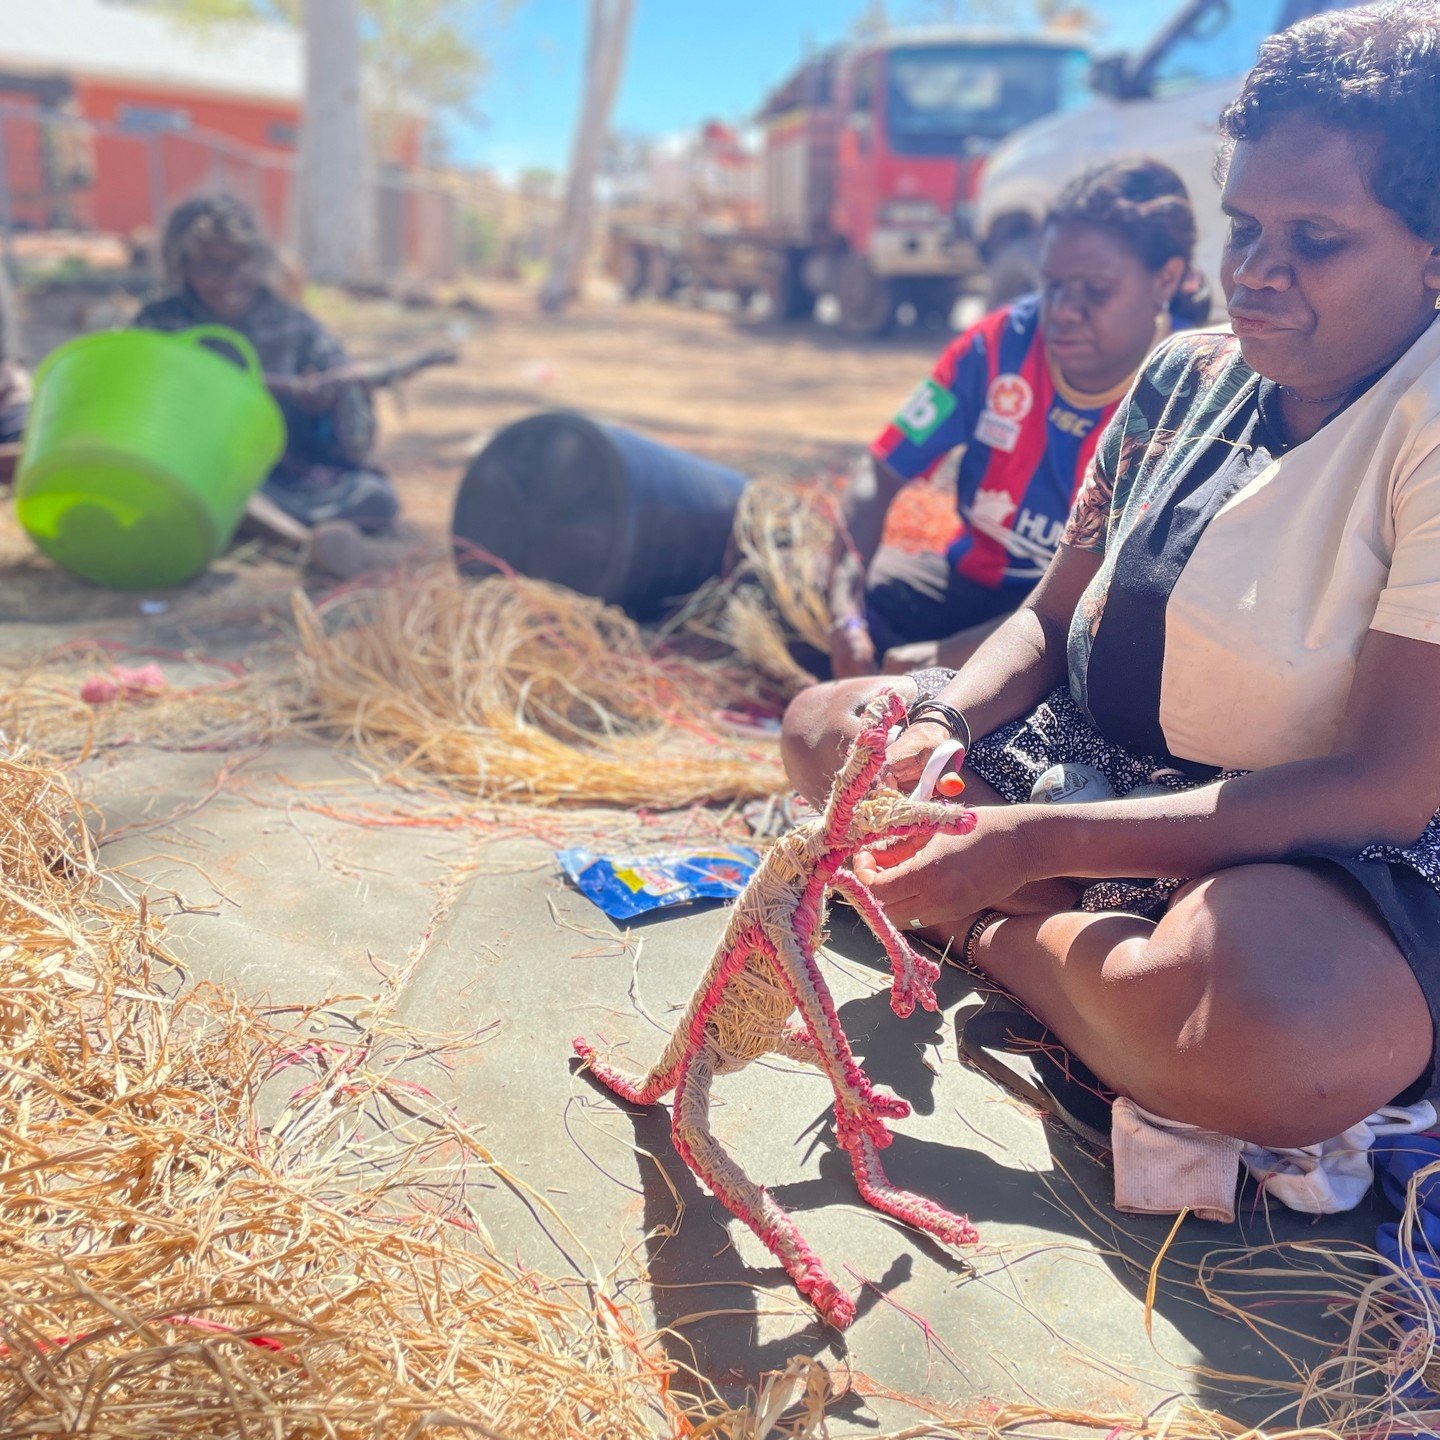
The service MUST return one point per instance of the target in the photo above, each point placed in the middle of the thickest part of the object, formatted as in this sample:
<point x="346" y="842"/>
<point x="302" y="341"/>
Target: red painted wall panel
<point x="154" y="146"/>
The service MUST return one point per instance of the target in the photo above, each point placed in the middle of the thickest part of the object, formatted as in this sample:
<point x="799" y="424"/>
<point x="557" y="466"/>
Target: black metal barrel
<point x="602" y="510"/>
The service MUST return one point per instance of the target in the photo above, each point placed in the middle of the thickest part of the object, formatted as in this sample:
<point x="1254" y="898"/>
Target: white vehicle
<point x="1164" y="102"/>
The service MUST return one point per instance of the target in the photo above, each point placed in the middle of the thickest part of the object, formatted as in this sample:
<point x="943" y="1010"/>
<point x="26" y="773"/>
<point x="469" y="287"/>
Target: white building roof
<point x="117" y="40"/>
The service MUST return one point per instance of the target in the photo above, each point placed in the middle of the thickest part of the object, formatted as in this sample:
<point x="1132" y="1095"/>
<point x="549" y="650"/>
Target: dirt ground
<point x="761" y="397"/>
<point x="764" y="398"/>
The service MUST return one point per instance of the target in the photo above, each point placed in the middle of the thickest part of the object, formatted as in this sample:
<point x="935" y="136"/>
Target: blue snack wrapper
<point x="624" y="886"/>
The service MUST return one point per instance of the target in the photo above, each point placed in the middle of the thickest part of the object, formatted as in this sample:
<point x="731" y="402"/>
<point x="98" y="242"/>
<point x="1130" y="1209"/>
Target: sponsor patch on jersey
<point x="998" y="434"/>
<point x="925" y="411"/>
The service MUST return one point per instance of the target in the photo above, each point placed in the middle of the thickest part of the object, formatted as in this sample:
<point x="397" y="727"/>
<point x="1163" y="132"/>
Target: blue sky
<point x="689" y="60"/>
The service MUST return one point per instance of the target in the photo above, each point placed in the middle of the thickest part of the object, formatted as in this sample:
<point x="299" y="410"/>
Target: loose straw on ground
<point x="171" y="1265"/>
<point x="199" y="703"/>
<point x="513" y="689"/>
<point x="175" y="1264"/>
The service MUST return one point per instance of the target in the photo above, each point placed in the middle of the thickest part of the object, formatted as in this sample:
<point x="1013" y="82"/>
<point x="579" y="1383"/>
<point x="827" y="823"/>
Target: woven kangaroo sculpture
<point x="764" y="994"/>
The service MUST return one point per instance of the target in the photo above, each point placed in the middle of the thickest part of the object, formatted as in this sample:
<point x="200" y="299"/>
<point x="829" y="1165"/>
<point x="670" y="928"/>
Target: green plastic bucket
<point x="140" y="451"/>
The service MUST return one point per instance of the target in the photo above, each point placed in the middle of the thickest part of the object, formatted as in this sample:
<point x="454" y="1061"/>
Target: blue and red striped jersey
<point x="1028" y="438"/>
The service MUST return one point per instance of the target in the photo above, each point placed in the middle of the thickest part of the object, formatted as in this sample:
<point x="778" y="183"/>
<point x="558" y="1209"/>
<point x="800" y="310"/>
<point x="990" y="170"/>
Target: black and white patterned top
<point x="1240" y="575"/>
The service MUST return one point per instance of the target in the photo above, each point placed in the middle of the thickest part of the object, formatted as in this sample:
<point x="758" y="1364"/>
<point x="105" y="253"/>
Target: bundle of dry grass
<point x="736" y="615"/>
<point x="785" y="533"/>
<point x="172" y="1265"/>
<point x="514" y="689"/>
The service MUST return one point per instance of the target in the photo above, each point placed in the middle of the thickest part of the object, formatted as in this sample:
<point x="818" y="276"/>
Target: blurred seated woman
<point x="1235" y="655"/>
<point x="14" y="401"/>
<point x="14" y="379"/>
<point x="1024" y="394"/>
<point x="217" y="262"/>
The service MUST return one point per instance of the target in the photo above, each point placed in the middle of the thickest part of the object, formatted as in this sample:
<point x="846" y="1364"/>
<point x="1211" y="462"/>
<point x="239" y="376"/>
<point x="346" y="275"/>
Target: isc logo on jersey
<point x="925" y="411"/>
<point x="1068" y="422"/>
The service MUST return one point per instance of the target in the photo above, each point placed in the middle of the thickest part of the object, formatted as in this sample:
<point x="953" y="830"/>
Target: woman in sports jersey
<point x="1025" y="393"/>
<point x="1240" y="637"/>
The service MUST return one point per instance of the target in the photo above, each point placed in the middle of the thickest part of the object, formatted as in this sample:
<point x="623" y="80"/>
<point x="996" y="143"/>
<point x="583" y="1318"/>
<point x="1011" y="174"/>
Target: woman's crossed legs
<point x="1270" y="1002"/>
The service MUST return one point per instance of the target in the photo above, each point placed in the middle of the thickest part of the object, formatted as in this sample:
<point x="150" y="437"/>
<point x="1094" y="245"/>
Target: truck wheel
<point x="664" y="280"/>
<point x="634" y="270"/>
<point x="1015" y="270"/>
<point x="933" y="301"/>
<point x="790" y="299"/>
<point x="867" y="301"/>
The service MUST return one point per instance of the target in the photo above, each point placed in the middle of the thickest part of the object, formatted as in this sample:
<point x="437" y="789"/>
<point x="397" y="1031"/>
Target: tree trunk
<point x="333" y="194"/>
<point x="605" y="58"/>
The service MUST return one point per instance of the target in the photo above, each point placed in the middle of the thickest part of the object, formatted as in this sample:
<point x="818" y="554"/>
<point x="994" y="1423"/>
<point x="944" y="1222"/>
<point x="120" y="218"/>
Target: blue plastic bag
<point x="624" y="886"/>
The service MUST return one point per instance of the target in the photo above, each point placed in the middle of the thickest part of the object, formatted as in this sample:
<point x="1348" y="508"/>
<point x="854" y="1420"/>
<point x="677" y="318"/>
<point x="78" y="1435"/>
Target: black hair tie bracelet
<point x="941" y="714"/>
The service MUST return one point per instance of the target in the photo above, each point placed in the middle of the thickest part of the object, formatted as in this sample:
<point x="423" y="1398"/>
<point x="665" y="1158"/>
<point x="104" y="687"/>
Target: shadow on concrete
<point x="708" y="1299"/>
<point x="34" y="591"/>
<point x="1075" y="1202"/>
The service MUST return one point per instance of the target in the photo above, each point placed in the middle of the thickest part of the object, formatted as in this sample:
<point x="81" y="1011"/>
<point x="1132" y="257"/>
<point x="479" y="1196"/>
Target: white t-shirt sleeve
<point x="1409" y="605"/>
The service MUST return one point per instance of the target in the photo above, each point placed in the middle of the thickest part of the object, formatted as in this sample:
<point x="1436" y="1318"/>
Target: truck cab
<point x="1164" y="101"/>
<point x="917" y="115"/>
<point x="864" y="183"/>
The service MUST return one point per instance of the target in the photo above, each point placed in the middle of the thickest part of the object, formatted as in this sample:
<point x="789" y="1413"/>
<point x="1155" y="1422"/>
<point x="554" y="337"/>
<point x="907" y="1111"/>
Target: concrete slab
<point x="265" y="893"/>
<point x="1051" y="1306"/>
<point x="290" y="905"/>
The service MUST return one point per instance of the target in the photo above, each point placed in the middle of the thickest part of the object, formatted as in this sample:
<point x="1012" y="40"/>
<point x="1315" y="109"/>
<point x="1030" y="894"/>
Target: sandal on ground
<point x="1010" y="1046"/>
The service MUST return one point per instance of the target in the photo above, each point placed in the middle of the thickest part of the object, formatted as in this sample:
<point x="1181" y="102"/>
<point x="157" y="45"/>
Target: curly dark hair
<point x="1145" y="204"/>
<point x="1373" y="72"/>
<point x="203" y="218"/>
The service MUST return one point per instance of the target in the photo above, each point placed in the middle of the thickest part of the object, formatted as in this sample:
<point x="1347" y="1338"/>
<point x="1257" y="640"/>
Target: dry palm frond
<point x="752" y="630"/>
<point x="786" y="534"/>
<point x="171" y="1265"/>
<point x="514" y="689"/>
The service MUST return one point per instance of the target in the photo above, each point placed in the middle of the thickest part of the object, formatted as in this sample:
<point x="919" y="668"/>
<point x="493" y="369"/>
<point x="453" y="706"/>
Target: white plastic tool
<point x="940" y="757"/>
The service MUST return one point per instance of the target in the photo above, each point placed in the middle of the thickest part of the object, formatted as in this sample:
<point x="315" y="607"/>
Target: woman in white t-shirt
<point x="1243" y="626"/>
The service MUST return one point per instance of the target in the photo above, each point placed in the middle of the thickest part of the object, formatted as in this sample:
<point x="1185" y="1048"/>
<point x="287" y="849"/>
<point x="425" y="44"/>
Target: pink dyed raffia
<point x="124" y="684"/>
<point x="764" y="994"/>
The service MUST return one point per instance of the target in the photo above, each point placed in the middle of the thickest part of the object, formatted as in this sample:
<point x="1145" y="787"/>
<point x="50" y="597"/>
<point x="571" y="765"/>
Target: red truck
<point x="863" y="187"/>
